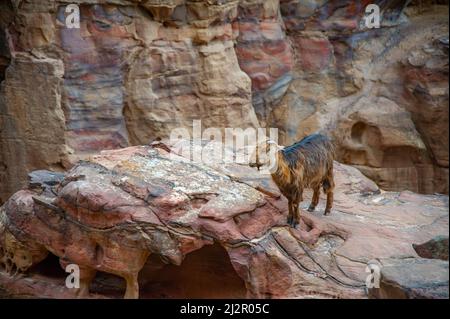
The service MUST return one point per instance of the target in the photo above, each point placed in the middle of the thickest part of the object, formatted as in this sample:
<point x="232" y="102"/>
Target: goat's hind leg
<point x="315" y="199"/>
<point x="328" y="187"/>
<point x="296" y="208"/>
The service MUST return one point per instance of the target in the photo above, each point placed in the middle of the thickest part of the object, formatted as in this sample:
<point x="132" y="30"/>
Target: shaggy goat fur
<point x="305" y="164"/>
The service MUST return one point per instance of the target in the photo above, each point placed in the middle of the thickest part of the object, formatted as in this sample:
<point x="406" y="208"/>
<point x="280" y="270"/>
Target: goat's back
<point x="315" y="155"/>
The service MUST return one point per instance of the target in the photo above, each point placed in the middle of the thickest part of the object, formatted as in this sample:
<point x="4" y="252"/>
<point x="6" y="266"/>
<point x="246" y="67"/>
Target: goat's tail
<point x="328" y="182"/>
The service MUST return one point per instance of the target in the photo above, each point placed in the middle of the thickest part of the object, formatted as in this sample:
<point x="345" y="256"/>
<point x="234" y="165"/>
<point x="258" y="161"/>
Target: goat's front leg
<point x="290" y="219"/>
<point x="296" y="208"/>
<point x="329" y="190"/>
<point x="296" y="215"/>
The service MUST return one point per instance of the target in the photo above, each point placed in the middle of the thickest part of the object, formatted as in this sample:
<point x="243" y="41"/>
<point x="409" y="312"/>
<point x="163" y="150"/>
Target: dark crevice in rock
<point x="205" y="273"/>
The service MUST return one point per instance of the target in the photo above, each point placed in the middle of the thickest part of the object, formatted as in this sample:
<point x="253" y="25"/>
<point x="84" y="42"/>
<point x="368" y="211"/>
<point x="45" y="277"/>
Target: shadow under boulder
<point x="204" y="274"/>
<point x="436" y="248"/>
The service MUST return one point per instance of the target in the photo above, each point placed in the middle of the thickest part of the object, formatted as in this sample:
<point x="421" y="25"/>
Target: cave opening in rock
<point x="357" y="132"/>
<point x="49" y="268"/>
<point x="205" y="273"/>
<point x="364" y="134"/>
<point x="108" y="285"/>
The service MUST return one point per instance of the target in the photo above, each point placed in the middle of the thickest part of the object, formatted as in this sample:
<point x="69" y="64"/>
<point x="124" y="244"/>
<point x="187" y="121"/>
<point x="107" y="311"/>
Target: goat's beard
<point x="272" y="163"/>
<point x="269" y="163"/>
<point x="266" y="158"/>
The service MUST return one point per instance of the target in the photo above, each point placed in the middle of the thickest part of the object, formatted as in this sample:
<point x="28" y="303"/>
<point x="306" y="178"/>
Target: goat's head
<point x="265" y="155"/>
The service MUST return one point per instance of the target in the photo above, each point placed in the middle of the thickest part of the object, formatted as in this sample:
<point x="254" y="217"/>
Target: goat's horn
<point x="269" y="142"/>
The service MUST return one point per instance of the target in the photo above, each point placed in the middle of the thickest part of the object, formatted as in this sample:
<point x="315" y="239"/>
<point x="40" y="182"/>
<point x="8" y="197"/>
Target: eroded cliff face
<point x="135" y="70"/>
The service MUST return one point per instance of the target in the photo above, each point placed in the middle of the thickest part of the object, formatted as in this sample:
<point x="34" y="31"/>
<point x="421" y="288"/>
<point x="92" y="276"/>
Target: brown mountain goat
<point x="305" y="164"/>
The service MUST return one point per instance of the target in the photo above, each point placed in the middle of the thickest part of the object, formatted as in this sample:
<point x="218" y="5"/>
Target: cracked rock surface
<point x="204" y="231"/>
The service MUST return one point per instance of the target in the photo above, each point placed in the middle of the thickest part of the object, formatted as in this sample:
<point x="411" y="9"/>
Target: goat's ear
<point x="274" y="144"/>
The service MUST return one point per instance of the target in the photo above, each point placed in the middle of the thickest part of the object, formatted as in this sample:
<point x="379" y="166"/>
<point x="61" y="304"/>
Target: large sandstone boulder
<point x="436" y="248"/>
<point x="413" y="278"/>
<point x="186" y="229"/>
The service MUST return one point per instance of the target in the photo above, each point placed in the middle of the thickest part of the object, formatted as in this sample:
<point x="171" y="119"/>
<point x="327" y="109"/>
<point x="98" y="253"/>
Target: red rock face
<point x="94" y="113"/>
<point x="133" y="213"/>
<point x="264" y="53"/>
<point x="262" y="47"/>
<point x="316" y="53"/>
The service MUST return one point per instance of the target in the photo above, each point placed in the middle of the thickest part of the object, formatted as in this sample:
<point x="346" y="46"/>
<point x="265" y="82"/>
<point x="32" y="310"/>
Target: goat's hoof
<point x="327" y="213"/>
<point x="311" y="209"/>
<point x="290" y="220"/>
<point x="294" y="223"/>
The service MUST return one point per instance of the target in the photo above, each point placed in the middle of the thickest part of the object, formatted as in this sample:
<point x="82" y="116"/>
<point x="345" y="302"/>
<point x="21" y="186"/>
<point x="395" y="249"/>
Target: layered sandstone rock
<point x="403" y="279"/>
<point x="143" y="207"/>
<point x="264" y="53"/>
<point x="437" y="248"/>
<point x="136" y="70"/>
<point x="32" y="119"/>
